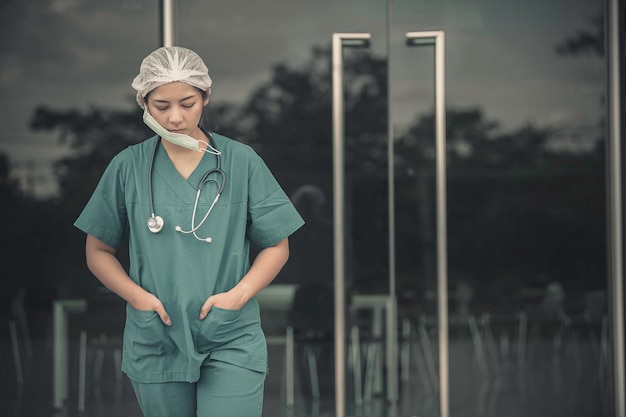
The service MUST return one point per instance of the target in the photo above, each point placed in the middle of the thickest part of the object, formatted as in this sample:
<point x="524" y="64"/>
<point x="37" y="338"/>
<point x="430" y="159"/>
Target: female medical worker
<point x="192" y="203"/>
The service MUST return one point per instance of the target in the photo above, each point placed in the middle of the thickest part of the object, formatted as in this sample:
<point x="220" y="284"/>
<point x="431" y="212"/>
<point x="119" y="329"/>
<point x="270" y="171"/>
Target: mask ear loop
<point x="209" y="148"/>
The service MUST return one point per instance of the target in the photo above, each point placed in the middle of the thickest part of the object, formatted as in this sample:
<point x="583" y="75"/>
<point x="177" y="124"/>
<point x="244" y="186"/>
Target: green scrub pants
<point x="223" y="390"/>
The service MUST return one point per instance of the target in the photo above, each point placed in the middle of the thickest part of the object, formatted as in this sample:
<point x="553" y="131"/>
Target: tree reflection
<point x="29" y="228"/>
<point x="520" y="209"/>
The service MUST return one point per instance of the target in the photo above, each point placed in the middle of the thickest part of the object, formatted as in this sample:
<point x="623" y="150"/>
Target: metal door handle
<point x="340" y="41"/>
<point x="437" y="39"/>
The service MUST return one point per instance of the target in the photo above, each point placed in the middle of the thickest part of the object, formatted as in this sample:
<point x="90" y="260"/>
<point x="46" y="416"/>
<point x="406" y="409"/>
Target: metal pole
<point x="427" y="38"/>
<point x="60" y="378"/>
<point x="614" y="190"/>
<point x="392" y="310"/>
<point x="168" y="24"/>
<point x="340" y="40"/>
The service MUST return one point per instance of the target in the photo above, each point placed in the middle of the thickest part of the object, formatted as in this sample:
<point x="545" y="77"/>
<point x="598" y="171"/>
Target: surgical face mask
<point x="179" y="139"/>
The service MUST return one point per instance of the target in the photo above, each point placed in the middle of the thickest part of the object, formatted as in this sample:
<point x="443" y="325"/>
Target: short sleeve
<point x="105" y="217"/>
<point x="271" y="215"/>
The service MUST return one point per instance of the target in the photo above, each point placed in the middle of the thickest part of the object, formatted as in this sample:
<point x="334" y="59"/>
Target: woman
<point x="193" y="343"/>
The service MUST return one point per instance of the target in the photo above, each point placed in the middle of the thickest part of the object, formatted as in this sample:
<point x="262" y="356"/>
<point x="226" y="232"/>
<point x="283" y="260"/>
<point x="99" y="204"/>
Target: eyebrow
<point x="181" y="100"/>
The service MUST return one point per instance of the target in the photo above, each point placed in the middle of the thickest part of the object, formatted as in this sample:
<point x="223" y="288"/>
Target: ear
<point x="207" y="96"/>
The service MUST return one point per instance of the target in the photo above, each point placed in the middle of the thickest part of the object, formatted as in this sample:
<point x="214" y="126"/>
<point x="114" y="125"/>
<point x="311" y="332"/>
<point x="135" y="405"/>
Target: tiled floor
<point x="568" y="382"/>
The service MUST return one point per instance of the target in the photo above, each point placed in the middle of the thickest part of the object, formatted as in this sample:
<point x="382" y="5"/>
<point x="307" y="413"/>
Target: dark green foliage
<point x="519" y="209"/>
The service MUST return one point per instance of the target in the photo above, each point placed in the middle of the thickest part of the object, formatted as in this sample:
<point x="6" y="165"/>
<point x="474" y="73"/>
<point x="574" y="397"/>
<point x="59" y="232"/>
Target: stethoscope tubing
<point x="205" y="178"/>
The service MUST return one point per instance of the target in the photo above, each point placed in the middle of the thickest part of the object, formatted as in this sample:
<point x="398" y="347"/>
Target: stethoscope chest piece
<point x="155" y="224"/>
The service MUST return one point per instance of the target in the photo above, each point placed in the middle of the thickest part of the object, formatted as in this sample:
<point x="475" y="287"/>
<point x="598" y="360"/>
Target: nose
<point x="175" y="115"/>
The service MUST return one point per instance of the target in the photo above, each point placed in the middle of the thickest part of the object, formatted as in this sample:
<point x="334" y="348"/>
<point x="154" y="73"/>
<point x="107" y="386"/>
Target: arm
<point x="264" y="269"/>
<point x="103" y="263"/>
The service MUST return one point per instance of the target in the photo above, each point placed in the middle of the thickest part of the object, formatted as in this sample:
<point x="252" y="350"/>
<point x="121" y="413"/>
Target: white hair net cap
<point x="170" y="64"/>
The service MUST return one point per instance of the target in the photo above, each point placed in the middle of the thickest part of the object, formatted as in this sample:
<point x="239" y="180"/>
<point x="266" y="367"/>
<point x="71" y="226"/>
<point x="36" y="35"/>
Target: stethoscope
<point x="155" y="223"/>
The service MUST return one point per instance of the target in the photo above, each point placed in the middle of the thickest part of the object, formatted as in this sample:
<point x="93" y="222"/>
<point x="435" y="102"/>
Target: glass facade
<point x="525" y="181"/>
<point x="526" y="241"/>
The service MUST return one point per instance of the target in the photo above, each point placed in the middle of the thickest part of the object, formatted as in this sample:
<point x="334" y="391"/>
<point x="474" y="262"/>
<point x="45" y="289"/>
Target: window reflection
<point x="526" y="205"/>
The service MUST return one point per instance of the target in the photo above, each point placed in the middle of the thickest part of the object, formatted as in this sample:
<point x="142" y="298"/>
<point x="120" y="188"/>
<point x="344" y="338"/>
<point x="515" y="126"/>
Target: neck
<point x="185" y="160"/>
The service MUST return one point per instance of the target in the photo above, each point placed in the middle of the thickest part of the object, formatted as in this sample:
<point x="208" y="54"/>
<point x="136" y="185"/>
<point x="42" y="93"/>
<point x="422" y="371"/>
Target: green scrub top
<point x="181" y="270"/>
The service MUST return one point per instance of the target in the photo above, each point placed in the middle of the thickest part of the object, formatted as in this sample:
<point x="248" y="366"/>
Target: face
<point x="178" y="108"/>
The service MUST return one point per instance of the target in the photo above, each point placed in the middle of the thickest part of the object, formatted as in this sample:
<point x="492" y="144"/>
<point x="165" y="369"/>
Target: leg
<point x="226" y="390"/>
<point x="166" y="399"/>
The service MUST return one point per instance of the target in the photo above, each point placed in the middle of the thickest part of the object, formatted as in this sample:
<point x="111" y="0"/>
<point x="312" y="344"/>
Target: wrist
<point x="243" y="293"/>
<point x="135" y="296"/>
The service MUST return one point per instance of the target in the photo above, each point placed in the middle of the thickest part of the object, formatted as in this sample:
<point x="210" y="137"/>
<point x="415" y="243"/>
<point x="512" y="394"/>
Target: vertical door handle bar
<point x="340" y="41"/>
<point x="437" y="39"/>
<point x="167" y="10"/>
<point x="614" y="200"/>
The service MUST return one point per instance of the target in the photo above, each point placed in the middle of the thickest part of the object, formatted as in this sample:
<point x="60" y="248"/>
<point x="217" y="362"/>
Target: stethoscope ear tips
<point x="180" y="229"/>
<point x="155" y="224"/>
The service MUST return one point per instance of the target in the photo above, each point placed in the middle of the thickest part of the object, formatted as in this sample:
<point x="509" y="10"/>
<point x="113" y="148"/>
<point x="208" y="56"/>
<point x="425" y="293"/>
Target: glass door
<point x="523" y="313"/>
<point x="470" y="278"/>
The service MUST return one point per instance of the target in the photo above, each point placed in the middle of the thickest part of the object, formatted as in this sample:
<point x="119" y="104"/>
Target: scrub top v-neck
<point x="181" y="270"/>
